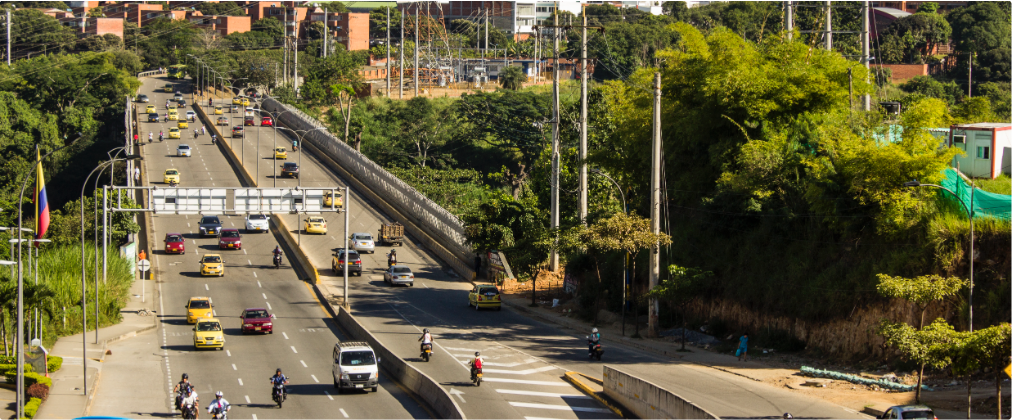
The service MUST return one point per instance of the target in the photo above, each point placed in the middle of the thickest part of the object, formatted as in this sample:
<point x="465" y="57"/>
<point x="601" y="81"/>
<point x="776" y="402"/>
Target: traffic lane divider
<point x="571" y="377"/>
<point x="301" y="263"/>
<point x="245" y="178"/>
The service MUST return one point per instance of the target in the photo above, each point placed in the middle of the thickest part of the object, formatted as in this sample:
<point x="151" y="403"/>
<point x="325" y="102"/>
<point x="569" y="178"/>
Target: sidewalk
<point x="66" y="398"/>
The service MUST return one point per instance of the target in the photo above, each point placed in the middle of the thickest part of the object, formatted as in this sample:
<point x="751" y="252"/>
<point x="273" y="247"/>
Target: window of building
<point x="525" y="9"/>
<point x="525" y="22"/>
<point x="983" y="152"/>
<point x="546" y="9"/>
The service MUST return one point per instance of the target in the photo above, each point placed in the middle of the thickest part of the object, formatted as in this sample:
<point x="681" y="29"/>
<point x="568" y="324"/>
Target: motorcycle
<point x="279" y="394"/>
<point x="476" y="376"/>
<point x="189" y="411"/>
<point x="426" y="351"/>
<point x="161" y="138"/>
<point x="277" y="260"/>
<point x="595" y="349"/>
<point x="218" y="413"/>
<point x="295" y="148"/>
<point x="172" y="183"/>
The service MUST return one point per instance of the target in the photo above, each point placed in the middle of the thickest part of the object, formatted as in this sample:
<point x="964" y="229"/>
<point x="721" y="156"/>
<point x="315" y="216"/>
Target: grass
<point x="1000" y="185"/>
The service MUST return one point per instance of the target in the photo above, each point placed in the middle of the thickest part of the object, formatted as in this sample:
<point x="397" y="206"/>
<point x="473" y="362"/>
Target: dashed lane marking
<point x="314" y="378"/>
<point x="240" y="381"/>
<point x="559" y="407"/>
<point x="286" y="335"/>
<point x="303" y="362"/>
<point x="328" y="395"/>
<point x="343" y="413"/>
<point x="233" y="367"/>
<point x="293" y="349"/>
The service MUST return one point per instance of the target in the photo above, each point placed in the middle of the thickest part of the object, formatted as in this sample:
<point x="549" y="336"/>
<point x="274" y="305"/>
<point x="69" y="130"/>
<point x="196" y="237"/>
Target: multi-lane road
<point x="525" y="359"/>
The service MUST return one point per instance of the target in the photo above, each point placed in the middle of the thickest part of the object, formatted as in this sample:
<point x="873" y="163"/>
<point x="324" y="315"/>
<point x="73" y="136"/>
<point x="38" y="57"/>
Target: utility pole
<point x="284" y="74"/>
<point x="400" y="62"/>
<point x="829" y="26"/>
<point x="326" y="30"/>
<point x="790" y="20"/>
<point x="969" y="84"/>
<point x="554" y="259"/>
<point x="655" y="208"/>
<point x="295" y="53"/>
<point x="417" y="11"/>
<point x="583" y="122"/>
<point x="866" y="50"/>
<point x="486" y="35"/>
<point x="9" y="37"/>
<point x="388" y="52"/>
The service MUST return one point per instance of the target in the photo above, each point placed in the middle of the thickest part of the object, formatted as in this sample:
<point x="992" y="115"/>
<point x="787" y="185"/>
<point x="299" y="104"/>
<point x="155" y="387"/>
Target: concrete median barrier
<point x="245" y="178"/>
<point x="649" y="401"/>
<point x="296" y="256"/>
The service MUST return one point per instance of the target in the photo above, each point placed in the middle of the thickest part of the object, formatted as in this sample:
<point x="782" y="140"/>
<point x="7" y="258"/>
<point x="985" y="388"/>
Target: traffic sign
<point x="1008" y="370"/>
<point x="144" y="265"/>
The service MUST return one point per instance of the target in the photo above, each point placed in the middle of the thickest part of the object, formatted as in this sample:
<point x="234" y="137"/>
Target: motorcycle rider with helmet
<point x="593" y="340"/>
<point x="426" y="339"/>
<point x="219" y="406"/>
<point x="277" y="255"/>
<point x="189" y="400"/>
<point x="476" y="364"/>
<point x="280" y="379"/>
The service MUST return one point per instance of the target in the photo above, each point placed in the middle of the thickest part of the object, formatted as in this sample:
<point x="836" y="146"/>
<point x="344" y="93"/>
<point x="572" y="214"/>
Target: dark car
<point x="182" y="103"/>
<point x="248" y="121"/>
<point x="354" y="265"/>
<point x="175" y="244"/>
<point x="142" y="98"/>
<point x="256" y="320"/>
<point x="153" y="117"/>
<point x="290" y="169"/>
<point x="210" y="226"/>
<point x="229" y="239"/>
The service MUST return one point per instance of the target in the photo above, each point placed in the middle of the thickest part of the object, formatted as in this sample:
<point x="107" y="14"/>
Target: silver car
<point x="363" y="242"/>
<point x="257" y="223"/>
<point x="399" y="274"/>
<point x="183" y="150"/>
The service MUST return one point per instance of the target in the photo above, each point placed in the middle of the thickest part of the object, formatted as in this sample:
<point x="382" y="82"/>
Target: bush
<point x="54" y="363"/>
<point x="12" y="366"/>
<point x="8" y="360"/>
<point x="40" y="391"/>
<point x="32" y="407"/>
<point x="31" y="378"/>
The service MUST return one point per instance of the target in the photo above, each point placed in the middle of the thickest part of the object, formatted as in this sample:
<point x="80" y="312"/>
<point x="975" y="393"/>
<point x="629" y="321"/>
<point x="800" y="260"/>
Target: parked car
<point x="908" y="412"/>
<point x="257" y="223"/>
<point x="256" y="320"/>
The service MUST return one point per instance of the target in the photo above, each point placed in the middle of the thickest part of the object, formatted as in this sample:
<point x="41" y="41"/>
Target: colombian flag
<point x="41" y="203"/>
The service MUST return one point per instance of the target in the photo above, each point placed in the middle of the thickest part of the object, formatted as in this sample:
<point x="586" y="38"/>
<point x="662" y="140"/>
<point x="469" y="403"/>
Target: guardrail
<point x="649" y="401"/>
<point x="149" y="73"/>
<point x="421" y="213"/>
<point x="296" y="256"/>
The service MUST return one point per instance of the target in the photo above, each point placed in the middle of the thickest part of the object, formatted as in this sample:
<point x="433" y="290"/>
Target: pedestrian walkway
<point x="66" y="398"/>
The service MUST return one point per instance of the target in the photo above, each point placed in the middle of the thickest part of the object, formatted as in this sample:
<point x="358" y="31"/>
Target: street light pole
<point x="625" y="261"/>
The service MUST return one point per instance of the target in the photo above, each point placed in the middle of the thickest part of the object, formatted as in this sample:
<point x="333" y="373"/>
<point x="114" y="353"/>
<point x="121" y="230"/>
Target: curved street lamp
<point x="625" y="272"/>
<point x="304" y="132"/>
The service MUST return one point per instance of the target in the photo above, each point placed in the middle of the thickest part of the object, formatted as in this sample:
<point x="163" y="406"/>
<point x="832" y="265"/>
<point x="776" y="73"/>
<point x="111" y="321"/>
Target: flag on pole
<point x="41" y="202"/>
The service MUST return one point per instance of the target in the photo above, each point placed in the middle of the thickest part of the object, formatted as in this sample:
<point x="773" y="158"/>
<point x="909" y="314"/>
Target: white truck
<point x="355" y="366"/>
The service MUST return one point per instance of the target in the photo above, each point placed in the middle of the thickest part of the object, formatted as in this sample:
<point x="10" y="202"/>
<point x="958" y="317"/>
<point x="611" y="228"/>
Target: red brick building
<point x="222" y="24"/>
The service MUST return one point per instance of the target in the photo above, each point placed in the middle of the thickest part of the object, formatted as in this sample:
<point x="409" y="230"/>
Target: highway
<point x="525" y="358"/>
<point x="304" y="334"/>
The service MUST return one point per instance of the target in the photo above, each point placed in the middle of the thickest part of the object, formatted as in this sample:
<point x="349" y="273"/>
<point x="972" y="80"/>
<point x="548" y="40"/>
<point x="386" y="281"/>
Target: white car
<point x="363" y="242"/>
<point x="257" y="223"/>
<point x="190" y="115"/>
<point x="248" y="113"/>
<point x="399" y="274"/>
<point x="183" y="150"/>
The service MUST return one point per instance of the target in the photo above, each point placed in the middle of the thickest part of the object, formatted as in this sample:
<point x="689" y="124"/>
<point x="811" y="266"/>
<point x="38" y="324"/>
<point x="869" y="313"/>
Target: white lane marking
<point x="254" y="417"/>
<point x="286" y="335"/>
<point x="187" y="224"/>
<point x="269" y="306"/>
<point x="240" y="381"/>
<point x="303" y="364"/>
<point x="255" y="275"/>
<point x="247" y="399"/>
<point x="509" y="365"/>
<point x="559" y="407"/>
<point x="521" y="372"/>
<point x="314" y="378"/>
<point x="194" y="240"/>
<point x="540" y="394"/>
<point x="343" y="413"/>
<point x="205" y="287"/>
<point x="258" y="281"/>
<point x="539" y="418"/>
<point x="293" y="349"/>
<point x="233" y="367"/>
<point x="244" y="252"/>
<point x="248" y="261"/>
<point x="228" y="352"/>
<point x="328" y="395"/>
<point x="233" y="224"/>
<point x="526" y="382"/>
<point x="264" y="295"/>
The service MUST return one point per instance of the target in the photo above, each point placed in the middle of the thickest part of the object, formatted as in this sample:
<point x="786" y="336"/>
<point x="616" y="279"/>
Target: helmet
<point x="219" y="394"/>
<point x="594" y="330"/>
<point x="476" y="354"/>
<point x="393" y="251"/>
<point x="278" y="371"/>
<point x="185" y="376"/>
<point x="425" y="330"/>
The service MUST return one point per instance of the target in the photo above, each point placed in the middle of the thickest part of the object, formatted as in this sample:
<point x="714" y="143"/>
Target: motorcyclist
<point x="426" y="339"/>
<point x="150" y="137"/>
<point x="280" y="379"/>
<point x="190" y="399"/>
<point x="181" y="388"/>
<point x="476" y="363"/>
<point x="219" y="406"/>
<point x="214" y="138"/>
<point x="295" y="145"/>
<point x="592" y="340"/>
<point x="277" y="254"/>
<point x="203" y="130"/>
<point x="392" y="257"/>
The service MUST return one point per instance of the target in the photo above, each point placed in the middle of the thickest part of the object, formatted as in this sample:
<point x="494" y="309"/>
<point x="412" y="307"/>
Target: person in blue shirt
<point x="743" y="347"/>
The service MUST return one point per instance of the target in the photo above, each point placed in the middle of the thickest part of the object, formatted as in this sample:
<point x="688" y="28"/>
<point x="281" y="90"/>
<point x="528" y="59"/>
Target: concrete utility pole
<point x="8" y="37"/>
<point x="295" y="53"/>
<point x="655" y="208"/>
<point x="417" y="11"/>
<point x="866" y="49"/>
<point x="388" y="51"/>
<point x="829" y="26"/>
<point x="554" y="259"/>
<point x="326" y="30"/>
<point x="790" y="20"/>
<point x="583" y="122"/>
<point x="284" y="74"/>
<point x="486" y="36"/>
<point x="969" y="84"/>
<point x="400" y="61"/>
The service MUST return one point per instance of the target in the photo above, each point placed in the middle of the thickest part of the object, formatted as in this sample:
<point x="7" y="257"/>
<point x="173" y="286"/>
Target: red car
<point x="229" y="239"/>
<point x="248" y="121"/>
<point x="175" y="244"/>
<point x="267" y="122"/>
<point x="256" y="320"/>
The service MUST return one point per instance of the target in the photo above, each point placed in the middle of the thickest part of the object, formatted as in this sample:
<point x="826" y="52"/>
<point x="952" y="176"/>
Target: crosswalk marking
<point x="521" y="372"/>
<point x="559" y="407"/>
<point x="526" y="382"/>
<point x="541" y="394"/>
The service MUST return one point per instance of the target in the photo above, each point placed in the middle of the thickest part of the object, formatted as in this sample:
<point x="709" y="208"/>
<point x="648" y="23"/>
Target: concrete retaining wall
<point x="649" y="401"/>
<point x="439" y="230"/>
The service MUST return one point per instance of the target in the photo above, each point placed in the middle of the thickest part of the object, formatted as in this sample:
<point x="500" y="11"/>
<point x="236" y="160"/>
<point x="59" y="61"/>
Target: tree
<point x="270" y="26"/>
<point x="96" y="12"/>
<point x="917" y="35"/>
<point x="930" y="346"/>
<point x="425" y="127"/>
<point x="316" y="30"/>
<point x="682" y="285"/>
<point x="981" y="28"/>
<point x="378" y="22"/>
<point x="252" y="40"/>
<point x="344" y="93"/>
<point x="34" y="32"/>
<point x="920" y="291"/>
<point x="221" y="9"/>
<point x="512" y="78"/>
<point x="335" y="7"/>
<point x="928" y="86"/>
<point x="987" y="348"/>
<point x="512" y="122"/>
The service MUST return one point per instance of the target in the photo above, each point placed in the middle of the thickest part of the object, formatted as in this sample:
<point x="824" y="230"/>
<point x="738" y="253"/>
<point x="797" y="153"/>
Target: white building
<point x="987" y="149"/>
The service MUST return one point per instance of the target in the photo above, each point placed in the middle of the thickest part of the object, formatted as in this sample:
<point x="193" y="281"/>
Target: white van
<point x="355" y="366"/>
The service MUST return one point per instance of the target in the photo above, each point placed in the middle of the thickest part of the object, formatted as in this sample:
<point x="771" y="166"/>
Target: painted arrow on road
<point x="459" y="394"/>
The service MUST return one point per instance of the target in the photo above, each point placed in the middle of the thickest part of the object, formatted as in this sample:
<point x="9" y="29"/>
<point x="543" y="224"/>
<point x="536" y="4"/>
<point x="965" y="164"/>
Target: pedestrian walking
<point x="742" y="347"/>
<point x="210" y="102"/>
<point x="142" y="255"/>
<point x="135" y="137"/>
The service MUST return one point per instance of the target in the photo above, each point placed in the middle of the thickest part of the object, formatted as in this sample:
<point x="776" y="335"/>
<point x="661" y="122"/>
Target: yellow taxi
<point x="484" y="296"/>
<point x="150" y="109"/>
<point x="171" y="175"/>
<point x="280" y="153"/>
<point x="315" y="225"/>
<point x="218" y="110"/>
<point x="198" y="307"/>
<point x="173" y="115"/>
<point x="208" y="334"/>
<point x="333" y="198"/>
<point x="237" y="100"/>
<point x="174" y="133"/>
<point x="172" y="109"/>
<point x="212" y="265"/>
<point x="167" y="87"/>
<point x="245" y="100"/>
<point x="183" y="124"/>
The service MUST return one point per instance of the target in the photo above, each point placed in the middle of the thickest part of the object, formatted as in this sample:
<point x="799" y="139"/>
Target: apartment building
<point x="86" y="26"/>
<point x="222" y="24"/>
<point x="348" y="29"/>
